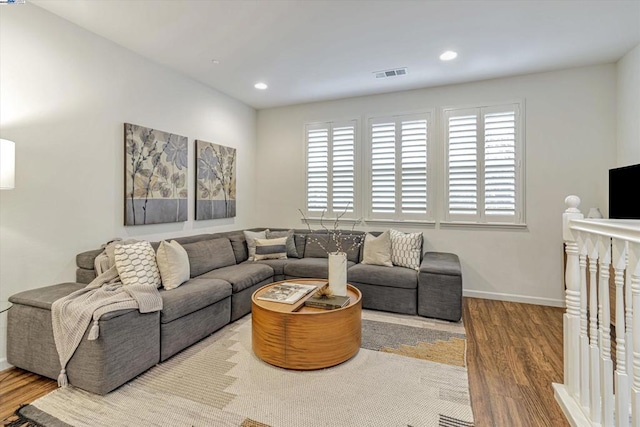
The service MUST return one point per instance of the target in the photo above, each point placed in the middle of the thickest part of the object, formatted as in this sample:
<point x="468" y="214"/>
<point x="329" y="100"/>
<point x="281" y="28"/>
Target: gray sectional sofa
<point x="218" y="292"/>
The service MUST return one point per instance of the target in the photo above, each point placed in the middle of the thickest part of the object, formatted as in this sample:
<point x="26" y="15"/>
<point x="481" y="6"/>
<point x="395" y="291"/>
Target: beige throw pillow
<point x="136" y="264"/>
<point x="377" y="250"/>
<point x="173" y="263"/>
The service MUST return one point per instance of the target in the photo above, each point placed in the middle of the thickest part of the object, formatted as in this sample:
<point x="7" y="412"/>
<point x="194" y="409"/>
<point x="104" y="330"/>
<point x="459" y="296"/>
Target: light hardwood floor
<point x="514" y="354"/>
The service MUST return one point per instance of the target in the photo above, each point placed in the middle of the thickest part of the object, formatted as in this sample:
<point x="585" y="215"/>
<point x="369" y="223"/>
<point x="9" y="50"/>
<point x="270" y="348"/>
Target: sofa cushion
<point x="441" y="263"/>
<point x="277" y="264"/>
<point x="241" y="276"/>
<point x="239" y="245"/>
<point x="192" y="296"/>
<point x="316" y="268"/>
<point x="207" y="255"/>
<point x="318" y="244"/>
<point x="44" y="297"/>
<point x="394" y="277"/>
<point x="292" y="251"/>
<point x="85" y="259"/>
<point x="301" y="241"/>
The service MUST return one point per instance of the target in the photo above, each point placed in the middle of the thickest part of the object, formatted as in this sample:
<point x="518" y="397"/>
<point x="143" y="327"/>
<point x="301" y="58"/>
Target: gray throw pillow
<point x="292" y="252"/>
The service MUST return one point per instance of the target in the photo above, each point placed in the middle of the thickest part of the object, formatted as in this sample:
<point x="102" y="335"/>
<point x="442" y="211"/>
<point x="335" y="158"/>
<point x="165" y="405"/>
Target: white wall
<point x="570" y="145"/>
<point x="628" y="89"/>
<point x="65" y="94"/>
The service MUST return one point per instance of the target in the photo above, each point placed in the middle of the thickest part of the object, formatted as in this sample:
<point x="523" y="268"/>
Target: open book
<point x="287" y="293"/>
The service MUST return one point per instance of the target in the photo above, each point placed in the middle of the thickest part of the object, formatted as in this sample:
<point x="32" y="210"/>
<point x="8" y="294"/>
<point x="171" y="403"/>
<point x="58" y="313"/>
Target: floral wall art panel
<point x="155" y="176"/>
<point x="215" y="181"/>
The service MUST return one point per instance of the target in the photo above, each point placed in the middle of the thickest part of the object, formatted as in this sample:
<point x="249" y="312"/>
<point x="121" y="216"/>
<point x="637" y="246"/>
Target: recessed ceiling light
<point x="215" y="61"/>
<point x="448" y="55"/>
<point x="261" y="86"/>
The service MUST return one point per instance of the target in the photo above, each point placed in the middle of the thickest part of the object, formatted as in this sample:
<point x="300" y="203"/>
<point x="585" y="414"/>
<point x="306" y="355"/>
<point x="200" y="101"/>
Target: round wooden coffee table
<point x="294" y="336"/>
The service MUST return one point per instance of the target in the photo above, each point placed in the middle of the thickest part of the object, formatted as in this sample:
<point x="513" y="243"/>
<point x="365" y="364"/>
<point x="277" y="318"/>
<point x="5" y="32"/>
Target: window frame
<point x="481" y="218"/>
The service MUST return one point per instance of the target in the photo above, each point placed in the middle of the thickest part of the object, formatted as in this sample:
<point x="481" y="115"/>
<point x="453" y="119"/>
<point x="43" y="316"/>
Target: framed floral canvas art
<point x="155" y="176"/>
<point x="215" y="181"/>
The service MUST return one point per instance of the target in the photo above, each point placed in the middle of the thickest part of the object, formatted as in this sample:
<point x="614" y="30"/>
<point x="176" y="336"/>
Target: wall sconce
<point x="7" y="164"/>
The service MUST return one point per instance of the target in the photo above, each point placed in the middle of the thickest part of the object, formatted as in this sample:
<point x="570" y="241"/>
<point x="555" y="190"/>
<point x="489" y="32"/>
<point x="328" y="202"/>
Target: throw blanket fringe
<point x="71" y="315"/>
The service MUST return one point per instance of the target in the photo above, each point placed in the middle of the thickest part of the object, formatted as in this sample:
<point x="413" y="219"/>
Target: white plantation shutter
<point x="331" y="167"/>
<point x="383" y="167"/>
<point x="483" y="164"/>
<point x="500" y="163"/>
<point x="463" y="164"/>
<point x="317" y="168"/>
<point x="414" y="166"/>
<point x="343" y="161"/>
<point x="399" y="171"/>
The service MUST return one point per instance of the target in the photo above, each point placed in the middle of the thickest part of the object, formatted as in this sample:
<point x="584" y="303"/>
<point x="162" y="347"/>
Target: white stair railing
<point x="593" y="394"/>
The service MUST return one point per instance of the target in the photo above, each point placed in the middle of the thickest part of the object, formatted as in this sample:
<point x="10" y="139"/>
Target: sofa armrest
<point x="441" y="263"/>
<point x="440" y="286"/>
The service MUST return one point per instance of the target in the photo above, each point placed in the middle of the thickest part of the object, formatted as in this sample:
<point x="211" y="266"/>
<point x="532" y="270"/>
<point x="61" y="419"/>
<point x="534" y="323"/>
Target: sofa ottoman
<point x="440" y="286"/>
<point x="128" y="345"/>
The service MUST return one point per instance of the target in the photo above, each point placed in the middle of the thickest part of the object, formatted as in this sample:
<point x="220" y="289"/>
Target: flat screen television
<point x="624" y="192"/>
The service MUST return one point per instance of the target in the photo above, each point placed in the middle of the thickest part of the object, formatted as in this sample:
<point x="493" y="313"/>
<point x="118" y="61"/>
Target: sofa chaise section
<point x="128" y="345"/>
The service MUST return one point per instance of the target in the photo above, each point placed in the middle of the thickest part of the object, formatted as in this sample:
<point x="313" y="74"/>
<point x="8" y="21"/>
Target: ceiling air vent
<point x="390" y="73"/>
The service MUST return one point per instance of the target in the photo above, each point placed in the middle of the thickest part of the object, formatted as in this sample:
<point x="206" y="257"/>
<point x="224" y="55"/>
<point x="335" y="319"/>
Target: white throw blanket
<point x="72" y="314"/>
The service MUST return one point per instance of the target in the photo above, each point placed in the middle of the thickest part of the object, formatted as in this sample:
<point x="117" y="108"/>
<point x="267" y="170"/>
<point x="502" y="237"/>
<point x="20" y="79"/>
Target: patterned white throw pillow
<point x="406" y="249"/>
<point x="136" y="264"/>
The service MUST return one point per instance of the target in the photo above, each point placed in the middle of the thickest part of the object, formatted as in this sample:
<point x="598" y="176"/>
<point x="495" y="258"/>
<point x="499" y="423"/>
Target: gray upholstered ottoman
<point x="129" y="342"/>
<point x="440" y="286"/>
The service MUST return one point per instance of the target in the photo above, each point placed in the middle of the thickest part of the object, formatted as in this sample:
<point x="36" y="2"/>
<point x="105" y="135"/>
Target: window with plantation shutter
<point x="484" y="152"/>
<point x="331" y="168"/>
<point x="399" y="181"/>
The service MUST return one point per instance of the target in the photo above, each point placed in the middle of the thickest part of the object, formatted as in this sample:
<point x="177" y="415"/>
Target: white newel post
<point x="572" y="315"/>
<point x="634" y="271"/>
<point x="338" y="273"/>
<point x="622" y="379"/>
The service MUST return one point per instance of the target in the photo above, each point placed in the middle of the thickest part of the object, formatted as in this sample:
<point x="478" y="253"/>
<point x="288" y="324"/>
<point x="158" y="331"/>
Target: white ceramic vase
<point x="338" y="273"/>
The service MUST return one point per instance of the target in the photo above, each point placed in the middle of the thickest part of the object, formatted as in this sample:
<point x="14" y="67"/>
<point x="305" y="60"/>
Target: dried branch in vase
<point x="334" y="235"/>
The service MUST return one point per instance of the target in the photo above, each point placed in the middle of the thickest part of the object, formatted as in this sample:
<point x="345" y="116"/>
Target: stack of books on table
<point x="328" y="303"/>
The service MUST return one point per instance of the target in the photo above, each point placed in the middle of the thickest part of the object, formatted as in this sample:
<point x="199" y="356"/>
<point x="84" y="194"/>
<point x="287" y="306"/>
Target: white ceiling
<point x="317" y="50"/>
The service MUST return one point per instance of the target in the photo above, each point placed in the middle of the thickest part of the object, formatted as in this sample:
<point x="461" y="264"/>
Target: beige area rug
<point x="396" y="379"/>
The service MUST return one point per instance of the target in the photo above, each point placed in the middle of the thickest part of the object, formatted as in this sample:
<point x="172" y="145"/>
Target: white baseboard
<point x="513" y="298"/>
<point x="4" y="364"/>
